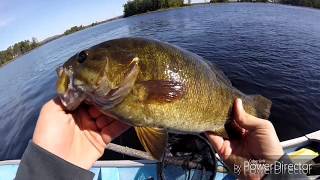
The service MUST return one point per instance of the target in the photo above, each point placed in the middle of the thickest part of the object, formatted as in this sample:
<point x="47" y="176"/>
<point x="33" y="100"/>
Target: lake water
<point x="267" y="49"/>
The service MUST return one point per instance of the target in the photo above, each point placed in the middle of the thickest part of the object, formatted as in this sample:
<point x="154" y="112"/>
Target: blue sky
<point x="24" y="19"/>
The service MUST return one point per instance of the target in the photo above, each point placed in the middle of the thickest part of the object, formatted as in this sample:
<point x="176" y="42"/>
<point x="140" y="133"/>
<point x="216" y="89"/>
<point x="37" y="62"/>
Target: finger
<point x="216" y="141"/>
<point x="57" y="101"/>
<point x="244" y="119"/>
<point x="222" y="147"/>
<point x="94" y="112"/>
<point x="110" y="115"/>
<point x="113" y="130"/>
<point x="53" y="105"/>
<point x="85" y="121"/>
<point x="103" y="121"/>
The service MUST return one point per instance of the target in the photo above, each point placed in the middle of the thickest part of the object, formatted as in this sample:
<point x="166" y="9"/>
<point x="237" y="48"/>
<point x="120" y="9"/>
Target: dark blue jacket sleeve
<point x="38" y="163"/>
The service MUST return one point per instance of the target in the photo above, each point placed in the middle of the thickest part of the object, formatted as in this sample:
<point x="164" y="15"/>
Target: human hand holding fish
<point x="160" y="88"/>
<point x="79" y="137"/>
<point x="87" y="132"/>
<point x="259" y="142"/>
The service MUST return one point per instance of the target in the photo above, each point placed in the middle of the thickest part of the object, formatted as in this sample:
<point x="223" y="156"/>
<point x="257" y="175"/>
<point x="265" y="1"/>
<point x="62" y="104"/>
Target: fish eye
<point x="82" y="56"/>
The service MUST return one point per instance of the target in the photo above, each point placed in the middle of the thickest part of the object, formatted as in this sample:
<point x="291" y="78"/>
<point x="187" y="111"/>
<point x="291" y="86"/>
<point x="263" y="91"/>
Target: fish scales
<point x="196" y="111"/>
<point x="154" y="86"/>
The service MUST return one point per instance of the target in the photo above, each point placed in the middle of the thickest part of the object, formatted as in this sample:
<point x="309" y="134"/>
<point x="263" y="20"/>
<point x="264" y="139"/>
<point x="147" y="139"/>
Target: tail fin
<point x="260" y="106"/>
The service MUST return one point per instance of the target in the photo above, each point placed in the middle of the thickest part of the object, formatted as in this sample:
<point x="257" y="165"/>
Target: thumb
<point x="244" y="119"/>
<point x="54" y="104"/>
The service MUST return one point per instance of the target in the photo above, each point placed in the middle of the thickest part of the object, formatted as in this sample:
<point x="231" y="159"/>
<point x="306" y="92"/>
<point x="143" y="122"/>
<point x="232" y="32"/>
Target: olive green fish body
<point x="149" y="83"/>
<point x="202" y="101"/>
<point x="204" y="96"/>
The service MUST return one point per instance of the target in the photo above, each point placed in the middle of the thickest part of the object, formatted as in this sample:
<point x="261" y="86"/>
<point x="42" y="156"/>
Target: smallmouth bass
<point x="155" y="87"/>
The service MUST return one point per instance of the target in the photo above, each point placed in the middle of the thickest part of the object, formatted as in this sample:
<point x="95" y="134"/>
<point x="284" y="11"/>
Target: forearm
<point x="37" y="163"/>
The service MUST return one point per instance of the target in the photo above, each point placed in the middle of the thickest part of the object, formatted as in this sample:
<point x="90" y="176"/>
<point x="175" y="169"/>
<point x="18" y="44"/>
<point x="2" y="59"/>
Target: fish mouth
<point x="70" y="95"/>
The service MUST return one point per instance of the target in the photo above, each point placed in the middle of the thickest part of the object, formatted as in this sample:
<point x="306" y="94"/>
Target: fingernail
<point x="239" y="102"/>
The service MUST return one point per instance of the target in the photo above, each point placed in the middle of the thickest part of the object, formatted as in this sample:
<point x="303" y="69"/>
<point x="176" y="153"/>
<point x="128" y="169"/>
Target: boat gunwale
<point x="103" y="163"/>
<point x="287" y="145"/>
<point x="301" y="141"/>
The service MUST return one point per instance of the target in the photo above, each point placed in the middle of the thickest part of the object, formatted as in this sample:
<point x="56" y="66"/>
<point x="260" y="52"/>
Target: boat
<point x="302" y="149"/>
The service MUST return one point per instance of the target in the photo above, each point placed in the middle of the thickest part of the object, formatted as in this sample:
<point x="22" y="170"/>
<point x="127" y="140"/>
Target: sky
<point x="24" y="19"/>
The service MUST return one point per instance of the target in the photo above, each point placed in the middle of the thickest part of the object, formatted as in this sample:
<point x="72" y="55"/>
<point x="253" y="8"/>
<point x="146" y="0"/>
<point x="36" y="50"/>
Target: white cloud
<point x="5" y="21"/>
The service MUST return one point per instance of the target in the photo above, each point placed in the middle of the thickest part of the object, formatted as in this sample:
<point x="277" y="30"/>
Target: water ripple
<point x="265" y="49"/>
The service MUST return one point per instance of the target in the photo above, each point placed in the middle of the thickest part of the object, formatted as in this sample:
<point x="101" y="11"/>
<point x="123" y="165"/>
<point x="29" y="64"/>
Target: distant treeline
<point x="221" y="1"/>
<point x="307" y="3"/>
<point x="17" y="49"/>
<point x="130" y="8"/>
<point x="23" y="47"/>
<point x="142" y="6"/>
<point x="73" y="29"/>
<point x="79" y="28"/>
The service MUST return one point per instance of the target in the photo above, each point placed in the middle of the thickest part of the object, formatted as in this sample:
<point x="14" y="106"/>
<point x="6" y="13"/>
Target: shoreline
<point x="208" y="3"/>
<point x="55" y="37"/>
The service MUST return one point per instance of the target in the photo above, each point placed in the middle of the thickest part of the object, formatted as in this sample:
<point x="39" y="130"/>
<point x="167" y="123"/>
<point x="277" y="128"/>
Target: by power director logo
<point x="261" y="167"/>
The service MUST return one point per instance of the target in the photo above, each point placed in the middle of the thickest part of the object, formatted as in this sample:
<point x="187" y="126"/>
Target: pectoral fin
<point x="160" y="91"/>
<point x="154" y="140"/>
